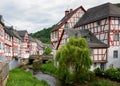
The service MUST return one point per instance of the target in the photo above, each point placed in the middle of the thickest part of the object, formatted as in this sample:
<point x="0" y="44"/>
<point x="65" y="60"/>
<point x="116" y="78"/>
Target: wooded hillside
<point x="43" y="35"/>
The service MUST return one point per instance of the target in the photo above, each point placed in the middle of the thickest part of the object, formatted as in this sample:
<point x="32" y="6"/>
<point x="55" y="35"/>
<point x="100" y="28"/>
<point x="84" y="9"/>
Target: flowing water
<point x="52" y="81"/>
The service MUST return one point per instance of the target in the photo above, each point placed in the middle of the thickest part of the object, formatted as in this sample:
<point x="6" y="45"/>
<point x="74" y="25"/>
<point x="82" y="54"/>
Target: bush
<point x="112" y="73"/>
<point x="101" y="83"/>
<point x="99" y="72"/>
<point x="49" y="68"/>
<point x="91" y="76"/>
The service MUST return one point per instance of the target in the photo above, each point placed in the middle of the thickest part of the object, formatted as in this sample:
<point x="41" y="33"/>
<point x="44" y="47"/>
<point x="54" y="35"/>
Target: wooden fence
<point x="4" y="73"/>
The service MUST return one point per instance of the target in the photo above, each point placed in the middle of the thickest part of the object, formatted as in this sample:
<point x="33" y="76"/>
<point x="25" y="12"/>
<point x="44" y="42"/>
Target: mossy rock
<point x="36" y="65"/>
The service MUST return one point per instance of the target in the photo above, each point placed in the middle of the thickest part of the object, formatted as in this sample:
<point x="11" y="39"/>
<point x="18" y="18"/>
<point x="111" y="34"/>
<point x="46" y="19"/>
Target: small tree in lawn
<point x="74" y="60"/>
<point x="47" y="50"/>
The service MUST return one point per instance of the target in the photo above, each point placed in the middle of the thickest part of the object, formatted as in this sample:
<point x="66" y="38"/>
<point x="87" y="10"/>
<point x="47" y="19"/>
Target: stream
<point x="52" y="81"/>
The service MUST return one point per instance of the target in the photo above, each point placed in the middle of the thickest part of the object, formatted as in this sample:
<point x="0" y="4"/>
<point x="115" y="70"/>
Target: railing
<point x="4" y="73"/>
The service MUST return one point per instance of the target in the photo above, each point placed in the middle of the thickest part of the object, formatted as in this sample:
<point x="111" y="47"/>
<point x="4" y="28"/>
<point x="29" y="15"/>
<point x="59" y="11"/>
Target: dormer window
<point x="98" y="23"/>
<point x="87" y="38"/>
<point x="66" y="25"/>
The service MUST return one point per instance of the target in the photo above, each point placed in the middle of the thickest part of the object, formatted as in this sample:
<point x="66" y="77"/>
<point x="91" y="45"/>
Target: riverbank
<point x="97" y="81"/>
<point x="20" y="77"/>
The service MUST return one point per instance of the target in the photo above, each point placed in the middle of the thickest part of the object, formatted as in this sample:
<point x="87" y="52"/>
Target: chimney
<point x="66" y="12"/>
<point x="71" y="10"/>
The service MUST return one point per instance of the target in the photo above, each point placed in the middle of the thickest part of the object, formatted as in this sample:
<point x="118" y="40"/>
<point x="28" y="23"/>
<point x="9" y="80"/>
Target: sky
<point x="34" y="15"/>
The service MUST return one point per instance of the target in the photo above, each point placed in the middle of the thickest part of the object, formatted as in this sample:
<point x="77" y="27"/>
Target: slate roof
<point x="8" y="30"/>
<point x="40" y="45"/>
<point x="31" y="39"/>
<point x="15" y="34"/>
<point x="99" y="12"/>
<point x="22" y="33"/>
<point x="65" y="18"/>
<point x="1" y="22"/>
<point x="92" y="43"/>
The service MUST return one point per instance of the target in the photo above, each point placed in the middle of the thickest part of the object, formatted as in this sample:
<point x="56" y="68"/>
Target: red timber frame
<point x="2" y="40"/>
<point x="71" y="20"/>
<point x="101" y="55"/>
<point x="114" y="29"/>
<point x="102" y="33"/>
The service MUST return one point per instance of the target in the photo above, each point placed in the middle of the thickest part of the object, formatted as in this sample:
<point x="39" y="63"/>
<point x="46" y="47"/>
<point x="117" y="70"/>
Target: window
<point x="102" y="66"/>
<point x="87" y="38"/>
<point x="66" y="25"/>
<point x="1" y="46"/>
<point x="1" y="32"/>
<point x="98" y="23"/>
<point x="7" y="49"/>
<point x="119" y="21"/>
<point x="115" y="54"/>
<point x="116" y="37"/>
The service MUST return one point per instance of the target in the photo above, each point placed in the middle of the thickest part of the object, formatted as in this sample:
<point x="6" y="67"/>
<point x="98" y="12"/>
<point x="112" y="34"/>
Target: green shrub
<point x="49" y="68"/>
<point x="91" y="76"/>
<point x="101" y="83"/>
<point x="113" y="73"/>
<point x="99" y="72"/>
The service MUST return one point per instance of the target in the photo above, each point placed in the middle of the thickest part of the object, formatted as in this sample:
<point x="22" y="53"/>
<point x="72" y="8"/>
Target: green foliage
<point x="74" y="60"/>
<point x="49" y="68"/>
<point x="102" y="83"/>
<point x="112" y="73"/>
<point x="47" y="50"/>
<point x="99" y="72"/>
<point x="43" y="35"/>
<point x="118" y="4"/>
<point x="19" y="77"/>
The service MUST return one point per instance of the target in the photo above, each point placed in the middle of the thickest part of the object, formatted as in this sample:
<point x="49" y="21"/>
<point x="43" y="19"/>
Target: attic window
<point x="66" y="25"/>
<point x="98" y="23"/>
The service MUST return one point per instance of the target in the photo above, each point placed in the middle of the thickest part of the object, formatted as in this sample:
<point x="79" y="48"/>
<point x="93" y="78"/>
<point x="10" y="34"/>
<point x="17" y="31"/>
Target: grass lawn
<point x="19" y="77"/>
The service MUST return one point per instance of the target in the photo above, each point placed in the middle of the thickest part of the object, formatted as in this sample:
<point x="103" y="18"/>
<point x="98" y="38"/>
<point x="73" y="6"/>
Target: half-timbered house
<point x="94" y="44"/>
<point x="32" y="46"/>
<point x="2" y="37"/>
<point x="104" y="22"/>
<point x="16" y="42"/>
<point x="68" y="21"/>
<point x="8" y="42"/>
<point x="24" y="44"/>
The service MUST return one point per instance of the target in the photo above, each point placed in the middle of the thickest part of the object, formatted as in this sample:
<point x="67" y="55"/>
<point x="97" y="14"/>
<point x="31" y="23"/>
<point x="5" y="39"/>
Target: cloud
<point x="34" y="15"/>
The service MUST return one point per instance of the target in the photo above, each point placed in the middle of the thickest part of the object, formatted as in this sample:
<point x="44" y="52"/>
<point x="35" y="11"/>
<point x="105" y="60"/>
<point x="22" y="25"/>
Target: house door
<point x="102" y="66"/>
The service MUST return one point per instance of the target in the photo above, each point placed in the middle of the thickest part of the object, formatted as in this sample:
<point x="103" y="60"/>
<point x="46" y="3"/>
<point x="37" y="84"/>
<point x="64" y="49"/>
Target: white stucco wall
<point x="111" y="60"/>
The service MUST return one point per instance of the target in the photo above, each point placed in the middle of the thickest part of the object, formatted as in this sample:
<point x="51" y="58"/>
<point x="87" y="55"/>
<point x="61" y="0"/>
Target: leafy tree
<point x="74" y="60"/>
<point x="43" y="35"/>
<point x="47" y="50"/>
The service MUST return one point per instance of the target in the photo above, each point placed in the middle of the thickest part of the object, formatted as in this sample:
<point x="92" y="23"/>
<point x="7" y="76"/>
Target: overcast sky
<point x="34" y="15"/>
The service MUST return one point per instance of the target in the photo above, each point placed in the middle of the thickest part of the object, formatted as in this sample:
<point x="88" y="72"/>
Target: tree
<point x="44" y="34"/>
<point x="74" y="60"/>
<point x="47" y="50"/>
